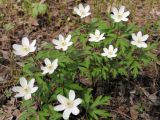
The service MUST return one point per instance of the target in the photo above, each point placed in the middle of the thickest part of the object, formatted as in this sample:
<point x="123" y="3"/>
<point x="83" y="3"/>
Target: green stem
<point x="118" y="29"/>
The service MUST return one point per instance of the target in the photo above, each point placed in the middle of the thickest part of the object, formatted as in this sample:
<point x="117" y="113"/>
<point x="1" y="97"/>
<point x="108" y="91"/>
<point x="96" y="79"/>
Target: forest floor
<point x="132" y="99"/>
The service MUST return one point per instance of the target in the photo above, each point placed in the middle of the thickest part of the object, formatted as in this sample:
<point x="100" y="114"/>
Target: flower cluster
<point x="69" y="105"/>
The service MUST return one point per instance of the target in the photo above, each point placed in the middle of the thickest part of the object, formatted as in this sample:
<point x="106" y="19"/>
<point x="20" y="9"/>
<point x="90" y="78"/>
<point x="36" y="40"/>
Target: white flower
<point x="50" y="67"/>
<point x="110" y="52"/>
<point x="139" y="40"/>
<point x="120" y="15"/>
<point x="26" y="89"/>
<point x="82" y="11"/>
<point x="96" y="37"/>
<point x="62" y="43"/>
<point x="68" y="105"/>
<point x="25" y="48"/>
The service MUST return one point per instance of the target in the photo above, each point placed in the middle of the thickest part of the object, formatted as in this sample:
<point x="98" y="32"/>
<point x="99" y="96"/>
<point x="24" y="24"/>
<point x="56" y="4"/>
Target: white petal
<point x="139" y="34"/>
<point x="133" y="42"/>
<point x="55" y="42"/>
<point x="31" y="83"/>
<point x="25" y="41"/>
<point x="115" y="50"/>
<point x="47" y="61"/>
<point x="105" y="50"/>
<point x="70" y="43"/>
<point x="124" y="19"/>
<point x="33" y="43"/>
<point x="66" y="113"/>
<point x="17" y="89"/>
<point x="27" y="96"/>
<point x="77" y="11"/>
<point x="81" y="7"/>
<point x="87" y="8"/>
<point x="44" y="69"/>
<point x="109" y="56"/>
<point x="87" y="14"/>
<point x="59" y="108"/>
<point x="102" y="36"/>
<point x="68" y="38"/>
<point x="65" y="48"/>
<point x="113" y="55"/>
<point x="114" y="10"/>
<point x="34" y="89"/>
<point x="61" y="99"/>
<point x="97" y="32"/>
<point x="103" y="54"/>
<point x="55" y="63"/>
<point x="145" y="37"/>
<point x="51" y="71"/>
<point x="19" y="95"/>
<point x="75" y="111"/>
<point x="134" y="37"/>
<point x="61" y="38"/>
<point x="126" y="14"/>
<point x="77" y="101"/>
<point x="113" y="16"/>
<point x="23" y="82"/>
<point x="71" y="95"/>
<point x="143" y="44"/>
<point x="91" y="35"/>
<point x="17" y="47"/>
<point x="117" y="20"/>
<point x="32" y="49"/>
<point x="58" y="47"/>
<point x="22" y="54"/>
<point x="91" y="39"/>
<point x="121" y="10"/>
<point x="110" y="48"/>
<point x="139" y="45"/>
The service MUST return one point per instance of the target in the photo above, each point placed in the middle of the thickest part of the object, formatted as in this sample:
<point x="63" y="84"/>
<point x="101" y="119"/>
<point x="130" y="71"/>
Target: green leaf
<point x="101" y="113"/>
<point x="75" y="86"/>
<point x="100" y="100"/>
<point x="38" y="9"/>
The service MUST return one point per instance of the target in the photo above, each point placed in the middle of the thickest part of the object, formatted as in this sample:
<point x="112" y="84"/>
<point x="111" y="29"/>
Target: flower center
<point x="83" y="13"/>
<point x="25" y="49"/>
<point x="110" y="52"/>
<point x="139" y="41"/>
<point x="97" y="37"/>
<point x="49" y="67"/>
<point x="26" y="89"/>
<point x="119" y="16"/>
<point x="63" y="43"/>
<point x="69" y="104"/>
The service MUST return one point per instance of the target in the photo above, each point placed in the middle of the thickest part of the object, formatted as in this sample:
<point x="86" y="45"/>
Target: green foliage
<point x="130" y="59"/>
<point x="8" y="26"/>
<point x="38" y="9"/>
<point x="140" y="107"/>
<point x="28" y="110"/>
<point x="34" y="8"/>
<point x="82" y="59"/>
<point x="8" y="93"/>
<point x="93" y="110"/>
<point x="3" y="1"/>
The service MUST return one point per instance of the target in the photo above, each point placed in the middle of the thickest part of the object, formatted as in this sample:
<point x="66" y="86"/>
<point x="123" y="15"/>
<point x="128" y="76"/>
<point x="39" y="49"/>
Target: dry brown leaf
<point x="33" y="21"/>
<point x="133" y="112"/>
<point x="152" y="97"/>
<point x="145" y="116"/>
<point x="85" y="81"/>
